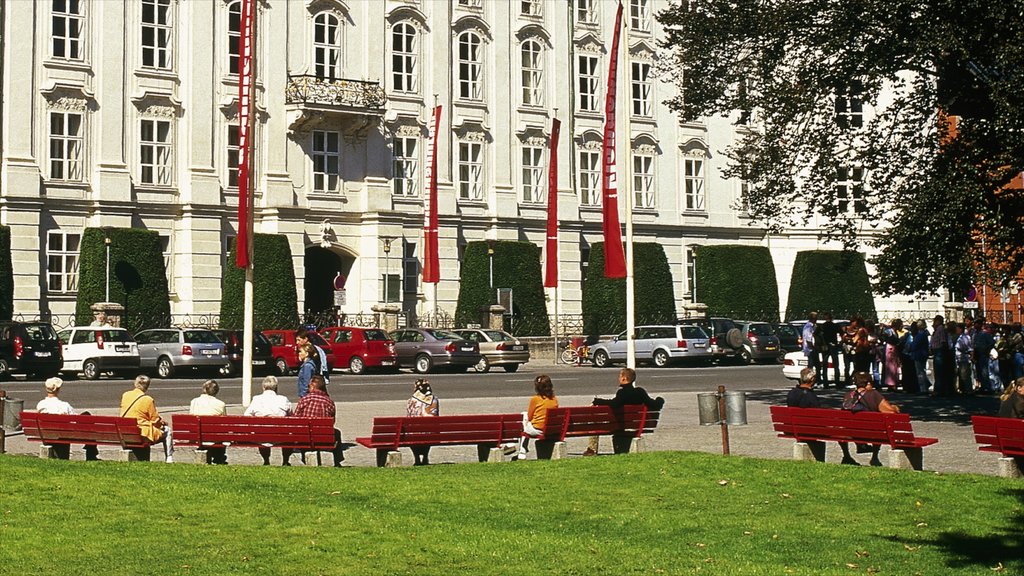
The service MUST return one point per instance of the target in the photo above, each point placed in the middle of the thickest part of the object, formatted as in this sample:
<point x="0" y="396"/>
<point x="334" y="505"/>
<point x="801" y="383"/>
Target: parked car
<point x="171" y="350"/>
<point x="93" y="350"/>
<point x="30" y="348"/>
<point x="286" y="355"/>
<point x="424" y="349"/>
<point x="726" y="338"/>
<point x="361" y="348"/>
<point x="794" y="362"/>
<point x="790" y="339"/>
<point x="759" y="342"/>
<point x="660" y="345"/>
<point x="262" y="357"/>
<point x="497" y="348"/>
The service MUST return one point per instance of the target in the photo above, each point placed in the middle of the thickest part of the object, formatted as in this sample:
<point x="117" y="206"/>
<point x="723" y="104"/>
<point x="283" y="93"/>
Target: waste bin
<point x="736" y="408"/>
<point x="707" y="407"/>
<point x="12" y="408"/>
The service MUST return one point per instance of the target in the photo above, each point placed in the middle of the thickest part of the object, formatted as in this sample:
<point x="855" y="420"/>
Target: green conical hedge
<point x="738" y="282"/>
<point x="830" y="280"/>
<point x="6" y="275"/>
<point x="516" y="266"/>
<point x="275" y="299"/>
<point x="604" y="299"/>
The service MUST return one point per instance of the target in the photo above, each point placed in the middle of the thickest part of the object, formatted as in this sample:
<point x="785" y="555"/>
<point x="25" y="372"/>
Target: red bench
<point x="812" y="427"/>
<point x="201" y="432"/>
<point x="486" y="431"/>
<point x="626" y="425"/>
<point x="85" y="429"/>
<point x="1004" y="436"/>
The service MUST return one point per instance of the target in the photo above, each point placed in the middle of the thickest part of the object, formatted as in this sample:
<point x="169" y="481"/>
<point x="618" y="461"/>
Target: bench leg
<point x="637" y="446"/>
<point x="495" y="454"/>
<point x="559" y="451"/>
<point x="906" y="459"/>
<point x="812" y="450"/>
<point x="199" y="455"/>
<point x="394" y="459"/>
<point x="46" y="452"/>
<point x="1010" y="467"/>
<point x="483" y="453"/>
<point x="135" y="455"/>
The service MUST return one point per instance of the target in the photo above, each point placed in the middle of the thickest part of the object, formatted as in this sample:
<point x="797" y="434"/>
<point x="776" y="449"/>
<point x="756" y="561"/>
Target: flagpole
<point x="558" y="271"/>
<point x="630" y="293"/>
<point x="249" y="120"/>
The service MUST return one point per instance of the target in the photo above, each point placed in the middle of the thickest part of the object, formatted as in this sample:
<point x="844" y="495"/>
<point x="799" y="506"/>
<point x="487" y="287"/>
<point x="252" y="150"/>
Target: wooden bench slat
<point x="82" y="429"/>
<point x="251" y="431"/>
<point x="833" y="425"/>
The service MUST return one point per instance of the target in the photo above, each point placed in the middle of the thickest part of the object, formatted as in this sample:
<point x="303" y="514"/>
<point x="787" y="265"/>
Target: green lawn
<point x="659" y="513"/>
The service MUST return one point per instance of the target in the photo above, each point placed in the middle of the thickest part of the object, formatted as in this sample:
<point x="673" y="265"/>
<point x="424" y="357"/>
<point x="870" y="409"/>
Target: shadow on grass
<point x="1002" y="546"/>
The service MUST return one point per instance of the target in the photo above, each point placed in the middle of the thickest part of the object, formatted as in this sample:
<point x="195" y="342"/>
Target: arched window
<point x="533" y="75"/>
<point x="327" y="45"/>
<point x="234" y="35"/>
<point x="469" y="66"/>
<point x="403" y="57"/>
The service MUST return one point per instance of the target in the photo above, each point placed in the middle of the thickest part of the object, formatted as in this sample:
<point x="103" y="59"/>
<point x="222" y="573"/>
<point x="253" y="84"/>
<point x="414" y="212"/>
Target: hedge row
<point x="736" y="277"/>
<point x="516" y="266"/>
<point x="604" y="299"/>
<point x="275" y="299"/>
<point x="6" y="275"/>
<point x="829" y="280"/>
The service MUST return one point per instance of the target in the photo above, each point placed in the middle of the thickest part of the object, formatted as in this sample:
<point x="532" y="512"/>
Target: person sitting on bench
<point x="627" y="394"/>
<point x="54" y="405"/>
<point x="136" y="404"/>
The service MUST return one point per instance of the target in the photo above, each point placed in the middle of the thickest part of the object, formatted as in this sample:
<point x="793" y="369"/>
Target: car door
<point x="645" y="340"/>
<point x="617" y="347"/>
<point x="344" y="347"/>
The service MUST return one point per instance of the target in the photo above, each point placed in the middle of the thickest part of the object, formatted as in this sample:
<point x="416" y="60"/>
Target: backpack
<point x="852" y="402"/>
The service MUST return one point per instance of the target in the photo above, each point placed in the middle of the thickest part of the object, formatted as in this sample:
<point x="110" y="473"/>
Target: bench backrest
<point x="834" y="424"/>
<point x="575" y="421"/>
<point x="285" y="432"/>
<point x="493" y="429"/>
<point x="82" y="429"/>
<point x="1004" y="435"/>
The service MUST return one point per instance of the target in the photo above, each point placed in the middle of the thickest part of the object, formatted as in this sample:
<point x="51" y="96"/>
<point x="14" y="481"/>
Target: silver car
<point x="172" y="349"/>
<point x="497" y="348"/>
<point x="423" y="349"/>
<point x="660" y="345"/>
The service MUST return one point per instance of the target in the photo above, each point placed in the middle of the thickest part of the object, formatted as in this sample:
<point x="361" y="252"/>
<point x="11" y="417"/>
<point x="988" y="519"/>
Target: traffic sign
<point x="971" y="305"/>
<point x="972" y="295"/>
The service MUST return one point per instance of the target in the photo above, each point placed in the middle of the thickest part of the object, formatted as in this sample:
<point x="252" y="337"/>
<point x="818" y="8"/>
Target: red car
<point x="286" y="356"/>
<point x="361" y="348"/>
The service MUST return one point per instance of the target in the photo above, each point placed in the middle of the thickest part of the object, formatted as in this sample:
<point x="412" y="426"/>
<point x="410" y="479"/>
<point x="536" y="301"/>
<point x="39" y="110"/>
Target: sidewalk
<point x="942" y="418"/>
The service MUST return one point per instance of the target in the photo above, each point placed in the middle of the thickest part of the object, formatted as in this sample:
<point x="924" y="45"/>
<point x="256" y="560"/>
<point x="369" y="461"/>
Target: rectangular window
<point x="471" y="169"/>
<point x="403" y="57"/>
<point x="155" y="152"/>
<point x="68" y="21"/>
<point x="693" y="176"/>
<point x="233" y="156"/>
<point x="585" y="12"/>
<point x="691" y="274"/>
<point x="533" y="174"/>
<point x="532" y="74"/>
<point x="326" y="162"/>
<point x="849" y="107"/>
<point x="530" y="7"/>
<point x="327" y="46"/>
<point x="640" y="15"/>
<point x="850" y="190"/>
<point x="469" y="66"/>
<point x="590" y="177"/>
<point x="156" y="34"/>
<point x="588" y="83"/>
<point x="66" y="140"/>
<point x="643" y="180"/>
<point x="469" y="3"/>
<point x="405" y="166"/>
<point x="641" y="85"/>
<point x="410" y="271"/>
<point x="62" y="261"/>
<point x="234" y="35"/>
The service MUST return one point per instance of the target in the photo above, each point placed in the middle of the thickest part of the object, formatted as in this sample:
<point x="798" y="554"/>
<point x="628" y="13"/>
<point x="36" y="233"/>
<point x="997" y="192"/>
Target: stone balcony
<point x="350" y="105"/>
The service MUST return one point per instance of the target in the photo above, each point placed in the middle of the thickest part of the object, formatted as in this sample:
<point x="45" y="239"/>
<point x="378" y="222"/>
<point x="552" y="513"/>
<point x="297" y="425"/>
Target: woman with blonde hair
<point x="536" y="413"/>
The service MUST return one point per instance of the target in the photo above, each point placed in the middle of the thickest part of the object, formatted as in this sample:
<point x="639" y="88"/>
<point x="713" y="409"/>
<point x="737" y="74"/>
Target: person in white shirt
<point x="270" y="403"/>
<point x="207" y="404"/>
<point x="54" y="405"/>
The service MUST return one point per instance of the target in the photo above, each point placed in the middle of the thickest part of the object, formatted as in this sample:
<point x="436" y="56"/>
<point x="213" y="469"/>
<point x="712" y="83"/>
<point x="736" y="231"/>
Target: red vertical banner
<point x="431" y="264"/>
<point x="245" y="94"/>
<point x="614" y="256"/>
<point x="551" y="247"/>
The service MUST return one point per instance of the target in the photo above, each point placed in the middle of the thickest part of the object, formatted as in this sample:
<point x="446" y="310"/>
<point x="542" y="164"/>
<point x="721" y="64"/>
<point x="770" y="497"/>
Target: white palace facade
<point x="123" y="113"/>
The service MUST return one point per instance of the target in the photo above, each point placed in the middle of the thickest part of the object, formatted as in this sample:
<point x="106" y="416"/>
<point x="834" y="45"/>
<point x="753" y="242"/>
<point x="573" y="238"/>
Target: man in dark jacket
<point x="627" y="394"/>
<point x="802" y="395"/>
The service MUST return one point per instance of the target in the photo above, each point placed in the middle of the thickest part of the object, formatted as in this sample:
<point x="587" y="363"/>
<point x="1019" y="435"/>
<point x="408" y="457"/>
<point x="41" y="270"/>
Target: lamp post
<point x="106" y="243"/>
<point x="490" y="263"/>
<point x="387" y="267"/>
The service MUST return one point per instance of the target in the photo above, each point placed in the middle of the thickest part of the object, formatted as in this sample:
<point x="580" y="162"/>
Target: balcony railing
<point x="308" y="89"/>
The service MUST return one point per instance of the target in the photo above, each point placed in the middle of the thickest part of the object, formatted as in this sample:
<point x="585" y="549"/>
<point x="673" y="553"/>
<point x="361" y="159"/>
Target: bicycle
<point x="577" y="355"/>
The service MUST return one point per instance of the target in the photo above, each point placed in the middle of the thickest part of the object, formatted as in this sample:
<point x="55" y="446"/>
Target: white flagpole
<point x="247" y="327"/>
<point x="630" y="294"/>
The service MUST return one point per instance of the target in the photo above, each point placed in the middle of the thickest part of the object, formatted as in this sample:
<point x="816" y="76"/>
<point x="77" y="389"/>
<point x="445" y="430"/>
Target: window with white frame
<point x="530" y="7"/>
<point x="586" y="11"/>
<point x="641" y="86"/>
<point x="62" y="261"/>
<point x="470" y="3"/>
<point x="410" y="271"/>
<point x="643" y="180"/>
<point x="850" y="190"/>
<point x="691" y="273"/>
<point x="469" y="66"/>
<point x="66" y="140"/>
<point x="403" y="57"/>
<point x="157" y="29"/>
<point x="533" y="173"/>
<point x="849" y="107"/>
<point x="532" y="72"/>
<point x="155" y="152"/>
<point x="693" y="180"/>
<point x="471" y="168"/>
<point x="588" y="82"/>
<point x="233" y="155"/>
<point x="68" y="22"/>
<point x="406" y="165"/>
<point x="167" y="249"/>
<point x="590" y="177"/>
<point x="234" y="36"/>
<point x="326" y="162"/>
<point x="640" y="15"/>
<point x="327" y="46"/>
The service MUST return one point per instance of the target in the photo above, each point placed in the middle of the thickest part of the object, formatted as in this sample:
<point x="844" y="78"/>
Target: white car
<point x="794" y="362"/>
<point x="660" y="345"/>
<point x="93" y="350"/>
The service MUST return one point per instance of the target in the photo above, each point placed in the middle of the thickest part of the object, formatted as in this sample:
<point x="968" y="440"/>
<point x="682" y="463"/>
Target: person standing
<point x="54" y="405"/>
<point x="272" y="404"/>
<point x="807" y="334"/>
<point x="938" y="347"/>
<point x="628" y="394"/>
<point x="137" y="404"/>
<point x="1017" y="346"/>
<point x="848" y="339"/>
<point x="919" y="352"/>
<point x="536" y="413"/>
<point x="828" y="346"/>
<point x="307" y="368"/>
<point x="423" y="403"/>
<point x="983" y="345"/>
<point x="964" y="349"/>
<point x="207" y="404"/>
<point x="892" y="336"/>
<point x="319" y="358"/>
<point x="318" y="404"/>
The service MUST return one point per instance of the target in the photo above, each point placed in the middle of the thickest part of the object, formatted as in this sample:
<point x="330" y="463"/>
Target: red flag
<point x="614" y="256"/>
<point x="551" y="248"/>
<point x="431" y="265"/>
<point x="245" y="85"/>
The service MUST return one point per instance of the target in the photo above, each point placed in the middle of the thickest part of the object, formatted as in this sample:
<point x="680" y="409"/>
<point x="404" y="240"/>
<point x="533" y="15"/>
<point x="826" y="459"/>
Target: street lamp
<point x="106" y="243"/>
<point x="490" y="262"/>
<point x="387" y="266"/>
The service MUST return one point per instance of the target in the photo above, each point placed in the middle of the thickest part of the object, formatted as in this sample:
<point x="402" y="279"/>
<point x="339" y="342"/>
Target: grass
<point x="659" y="513"/>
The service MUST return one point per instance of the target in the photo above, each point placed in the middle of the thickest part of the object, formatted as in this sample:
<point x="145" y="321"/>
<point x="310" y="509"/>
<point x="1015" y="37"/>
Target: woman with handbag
<point x="423" y="403"/>
<point x="864" y="398"/>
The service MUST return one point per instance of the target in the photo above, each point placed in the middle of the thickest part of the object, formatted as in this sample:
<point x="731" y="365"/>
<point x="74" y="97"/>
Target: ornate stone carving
<point x="646" y="148"/>
<point x="407" y="130"/>
<point x="160" y="112"/>
<point x="70" y="104"/>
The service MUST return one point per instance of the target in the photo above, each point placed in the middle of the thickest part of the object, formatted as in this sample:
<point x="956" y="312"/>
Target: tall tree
<point x="835" y="91"/>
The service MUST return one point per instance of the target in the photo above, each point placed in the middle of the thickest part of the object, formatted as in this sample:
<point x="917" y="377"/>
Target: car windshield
<point x="498" y="336"/>
<point x="443" y="335"/>
<point x="317" y="339"/>
<point x="259" y="338"/>
<point x="40" y="332"/>
<point x="116" y="336"/>
<point x="201" y="337"/>
<point x="786" y="330"/>
<point x="375" y="335"/>
<point x="761" y="330"/>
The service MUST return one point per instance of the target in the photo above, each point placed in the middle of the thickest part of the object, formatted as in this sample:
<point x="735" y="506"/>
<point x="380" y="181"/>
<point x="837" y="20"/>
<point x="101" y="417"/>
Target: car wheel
<point x="511" y="367"/>
<point x="164" y="368"/>
<point x="356" y="365"/>
<point x="483" y="365"/>
<point x="661" y="358"/>
<point x="281" y="366"/>
<point x="744" y="357"/>
<point x="601" y="359"/>
<point x="422" y="364"/>
<point x="4" y="368"/>
<point x="90" y="371"/>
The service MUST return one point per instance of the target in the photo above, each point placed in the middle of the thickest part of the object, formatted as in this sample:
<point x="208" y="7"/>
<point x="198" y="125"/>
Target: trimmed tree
<point x="6" y="275"/>
<point x="275" y="299"/>
<point x="138" y="279"/>
<point x="830" y="280"/>
<point x="604" y="299"/>
<point x="516" y="266"/>
<point x="738" y="282"/>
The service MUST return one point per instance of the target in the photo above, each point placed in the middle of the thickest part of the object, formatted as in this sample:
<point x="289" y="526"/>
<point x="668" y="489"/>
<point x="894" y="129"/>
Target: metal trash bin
<point x="736" y="408"/>
<point x="12" y="408"/>
<point x="707" y="407"/>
